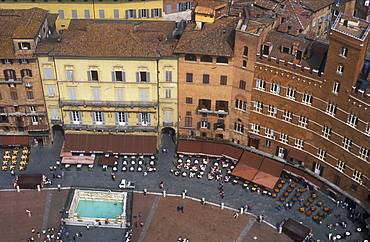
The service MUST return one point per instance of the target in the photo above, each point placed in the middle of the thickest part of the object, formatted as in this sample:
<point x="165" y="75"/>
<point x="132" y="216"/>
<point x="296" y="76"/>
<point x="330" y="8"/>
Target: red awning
<point x="298" y="155"/>
<point x="244" y="172"/>
<point x="294" y="171"/>
<point x="110" y="143"/>
<point x="190" y="147"/>
<point x="272" y="167"/>
<point x="312" y="180"/>
<point x="232" y="152"/>
<point x="250" y="159"/>
<point x="212" y="149"/>
<point x="265" y="179"/>
<point x="109" y="161"/>
<point x="37" y="127"/>
<point x="14" y="140"/>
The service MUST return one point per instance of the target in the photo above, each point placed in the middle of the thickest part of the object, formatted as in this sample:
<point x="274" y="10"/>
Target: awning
<point x="251" y="159"/>
<point x="244" y="172"/>
<point x="212" y="149"/>
<point x="110" y="143"/>
<point x="298" y="155"/>
<point x="189" y="147"/>
<point x="14" y="140"/>
<point x="86" y="160"/>
<point x="37" y="127"/>
<point x="295" y="230"/>
<point x="294" y="171"/>
<point x="106" y="160"/>
<point x="265" y="179"/>
<point x="29" y="181"/>
<point x="232" y="152"/>
<point x="311" y="180"/>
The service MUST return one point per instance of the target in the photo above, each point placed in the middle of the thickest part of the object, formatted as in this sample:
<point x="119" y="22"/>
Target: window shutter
<point x="80" y="116"/>
<point x="119" y="95"/>
<point x="140" y="12"/>
<point x="134" y="11"/>
<point x="143" y="94"/>
<point x="139" y="116"/>
<point x="103" y="118"/>
<point x="168" y="8"/>
<point x="113" y="76"/>
<point x="149" y="119"/>
<point x="71" y="117"/>
<point x="54" y="114"/>
<point x="96" y="94"/>
<point x="51" y="91"/>
<point x="137" y="76"/>
<point x="198" y="125"/>
<point x="127" y="13"/>
<point x="48" y="73"/>
<point x="168" y="116"/>
<point x="93" y="117"/>
<point x="168" y="76"/>
<point x="89" y="77"/>
<point x="123" y="76"/>
<point x="178" y="7"/>
<point x="208" y="125"/>
<point x="116" y="115"/>
<point x="148" y="77"/>
<point x="72" y="93"/>
<point x="126" y="118"/>
<point x="152" y="13"/>
<point x="160" y="12"/>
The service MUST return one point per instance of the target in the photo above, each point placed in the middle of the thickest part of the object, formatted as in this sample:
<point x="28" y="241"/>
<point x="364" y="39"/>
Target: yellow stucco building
<point x="124" y="85"/>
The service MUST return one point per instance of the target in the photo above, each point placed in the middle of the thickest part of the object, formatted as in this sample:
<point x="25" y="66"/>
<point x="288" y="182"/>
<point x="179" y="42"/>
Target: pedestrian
<point x="250" y="208"/>
<point x="178" y="208"/>
<point x="330" y="235"/>
<point x="161" y="185"/>
<point x="236" y="215"/>
<point x="12" y="172"/>
<point x="141" y="224"/>
<point x="338" y="216"/>
<point x="280" y="228"/>
<point x="59" y="188"/>
<point x="164" y="151"/>
<point x="106" y="221"/>
<point x="260" y="218"/>
<point x="62" y="174"/>
<point x="222" y="195"/>
<point x="29" y="212"/>
<point x="38" y="234"/>
<point x="185" y="192"/>
<point x="80" y="234"/>
<point x="113" y="176"/>
<point x="33" y="230"/>
<point x="67" y="234"/>
<point x="136" y="224"/>
<point x="87" y="226"/>
<point x="278" y="208"/>
<point x="140" y="215"/>
<point x="182" y="209"/>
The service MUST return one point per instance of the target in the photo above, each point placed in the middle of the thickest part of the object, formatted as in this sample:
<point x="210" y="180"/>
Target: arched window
<point x="245" y="51"/>
<point x="244" y="64"/>
<point x="206" y="58"/>
<point x="222" y="60"/>
<point x="190" y="58"/>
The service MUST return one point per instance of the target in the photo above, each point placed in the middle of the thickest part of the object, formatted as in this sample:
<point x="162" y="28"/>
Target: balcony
<point x="11" y="81"/>
<point x="218" y="126"/>
<point x="167" y="123"/>
<point x="56" y="121"/>
<point x="107" y="103"/>
<point x="111" y="127"/>
<point x="213" y="110"/>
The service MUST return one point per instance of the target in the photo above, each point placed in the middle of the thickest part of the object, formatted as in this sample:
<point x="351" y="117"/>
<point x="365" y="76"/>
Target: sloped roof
<point x="126" y="39"/>
<point x="214" y="39"/>
<point x="316" y="5"/>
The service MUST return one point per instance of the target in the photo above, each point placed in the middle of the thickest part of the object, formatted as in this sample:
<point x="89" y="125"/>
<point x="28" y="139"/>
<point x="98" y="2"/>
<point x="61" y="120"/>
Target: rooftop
<point x="351" y="26"/>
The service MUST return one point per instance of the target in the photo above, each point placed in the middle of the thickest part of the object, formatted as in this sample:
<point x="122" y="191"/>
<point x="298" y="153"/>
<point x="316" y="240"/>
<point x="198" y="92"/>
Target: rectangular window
<point x="115" y="13"/>
<point x="180" y="7"/>
<point x="240" y="104"/>
<point x="344" y="52"/>
<point x="307" y="99"/>
<point x="337" y="180"/>
<point x="121" y="118"/>
<point x="288" y="116"/>
<point x="119" y="93"/>
<point x="352" y="120"/>
<point x="331" y="109"/>
<point x="168" y="76"/>
<point x="223" y="80"/>
<point x="92" y="76"/>
<point x="189" y="77"/>
<point x="341" y="166"/>
<point x="70" y="75"/>
<point x="205" y="78"/>
<point x="270" y="133"/>
<point x="61" y="14"/>
<point x="168" y="93"/>
<point x="242" y="84"/>
<point x="143" y="13"/>
<point x="142" y="76"/>
<point x="74" y="14"/>
<point x="118" y="76"/>
<point x="189" y="100"/>
<point x="101" y="13"/>
<point x="48" y="73"/>
<point x="30" y="95"/>
<point x="72" y="94"/>
<point x="364" y="153"/>
<point x="275" y="88"/>
<point x="357" y="176"/>
<point x="260" y="84"/>
<point x="267" y="143"/>
<point x="7" y="61"/>
<point x="239" y="128"/>
<point x="24" y="46"/>
<point x="336" y="87"/>
<point x="24" y="61"/>
<point x="284" y="138"/>
<point x="156" y="13"/>
<point x="346" y="143"/>
<point x="76" y="117"/>
<point x="303" y="121"/>
<point x="326" y="132"/>
<point x="168" y="117"/>
<point x="54" y="114"/>
<point x="144" y="119"/>
<point x="144" y="95"/>
<point x="131" y="13"/>
<point x="14" y="95"/>
<point x="9" y="75"/>
<point x="34" y="120"/>
<point x="26" y="73"/>
<point x="96" y="93"/>
<point x="255" y="128"/>
<point x="340" y="69"/>
<point x="258" y="106"/>
<point x="87" y="14"/>
<point x="168" y="9"/>
<point x="188" y="121"/>
<point x="32" y="109"/>
<point x="291" y="93"/>
<point x="367" y="130"/>
<point x="321" y="154"/>
<point x="272" y="110"/>
<point x="98" y="118"/>
<point x="299" y="143"/>
<point x="51" y="92"/>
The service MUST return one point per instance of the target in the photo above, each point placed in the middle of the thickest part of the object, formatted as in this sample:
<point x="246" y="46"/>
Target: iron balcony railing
<point x="107" y="103"/>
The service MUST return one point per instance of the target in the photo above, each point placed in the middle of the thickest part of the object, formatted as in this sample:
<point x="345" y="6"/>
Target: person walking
<point x="161" y="185"/>
<point x="330" y="236"/>
<point x="87" y="226"/>
<point x="236" y="215"/>
<point x="29" y="212"/>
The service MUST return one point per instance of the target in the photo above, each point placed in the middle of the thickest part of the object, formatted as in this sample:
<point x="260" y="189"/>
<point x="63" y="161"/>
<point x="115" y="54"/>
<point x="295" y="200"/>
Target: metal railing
<point x="107" y="103"/>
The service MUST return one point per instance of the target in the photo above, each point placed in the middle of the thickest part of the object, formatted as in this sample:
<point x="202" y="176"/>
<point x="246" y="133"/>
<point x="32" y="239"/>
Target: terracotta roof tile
<point x="126" y="39"/>
<point x="214" y="39"/>
<point x="316" y="5"/>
